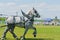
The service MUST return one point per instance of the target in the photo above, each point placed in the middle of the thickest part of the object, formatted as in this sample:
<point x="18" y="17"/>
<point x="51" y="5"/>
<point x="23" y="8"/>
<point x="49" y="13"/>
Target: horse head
<point x="33" y="12"/>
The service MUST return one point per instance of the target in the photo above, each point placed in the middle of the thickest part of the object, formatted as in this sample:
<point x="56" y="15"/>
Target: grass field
<point x="43" y="33"/>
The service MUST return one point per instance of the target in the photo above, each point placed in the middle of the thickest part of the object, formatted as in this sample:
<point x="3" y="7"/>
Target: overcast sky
<point x="46" y="8"/>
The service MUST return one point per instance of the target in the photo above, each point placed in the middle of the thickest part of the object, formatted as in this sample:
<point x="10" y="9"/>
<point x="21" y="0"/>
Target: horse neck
<point x="32" y="19"/>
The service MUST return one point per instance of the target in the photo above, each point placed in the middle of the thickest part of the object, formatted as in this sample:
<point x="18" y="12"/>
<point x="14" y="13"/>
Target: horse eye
<point x="35" y="11"/>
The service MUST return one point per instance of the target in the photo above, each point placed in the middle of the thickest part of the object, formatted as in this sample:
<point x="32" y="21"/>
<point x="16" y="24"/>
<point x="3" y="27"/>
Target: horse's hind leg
<point x="4" y="34"/>
<point x="23" y="37"/>
<point x="14" y="35"/>
<point x="35" y="32"/>
<point x="12" y="31"/>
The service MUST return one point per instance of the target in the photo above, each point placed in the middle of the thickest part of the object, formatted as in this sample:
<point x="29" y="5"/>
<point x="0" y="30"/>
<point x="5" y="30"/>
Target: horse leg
<point x="14" y="35"/>
<point x="23" y="37"/>
<point x="35" y="32"/>
<point x="4" y="34"/>
<point x="12" y="31"/>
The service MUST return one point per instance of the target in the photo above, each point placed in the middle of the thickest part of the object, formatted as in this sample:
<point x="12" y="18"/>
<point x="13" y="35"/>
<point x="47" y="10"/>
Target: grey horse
<point x="20" y="21"/>
<point x="29" y="23"/>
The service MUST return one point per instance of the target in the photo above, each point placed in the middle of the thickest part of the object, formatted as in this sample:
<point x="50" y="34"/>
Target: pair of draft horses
<point x="21" y="22"/>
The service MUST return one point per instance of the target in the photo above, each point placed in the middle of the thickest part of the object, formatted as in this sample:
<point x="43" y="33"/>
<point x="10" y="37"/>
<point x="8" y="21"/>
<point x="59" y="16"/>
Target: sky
<point x="46" y="8"/>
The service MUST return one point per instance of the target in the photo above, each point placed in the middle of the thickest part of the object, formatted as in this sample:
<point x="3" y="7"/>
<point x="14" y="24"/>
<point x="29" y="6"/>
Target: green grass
<point x="43" y="33"/>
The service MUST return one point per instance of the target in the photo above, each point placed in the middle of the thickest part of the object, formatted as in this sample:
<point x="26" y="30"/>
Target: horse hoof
<point x="21" y="38"/>
<point x="34" y="35"/>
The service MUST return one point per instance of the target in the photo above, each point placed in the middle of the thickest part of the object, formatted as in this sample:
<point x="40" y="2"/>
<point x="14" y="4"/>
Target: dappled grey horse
<point x="12" y="21"/>
<point x="29" y="23"/>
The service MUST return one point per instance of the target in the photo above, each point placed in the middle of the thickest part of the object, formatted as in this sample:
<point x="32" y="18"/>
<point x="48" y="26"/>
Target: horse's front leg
<point x="35" y="32"/>
<point x="23" y="37"/>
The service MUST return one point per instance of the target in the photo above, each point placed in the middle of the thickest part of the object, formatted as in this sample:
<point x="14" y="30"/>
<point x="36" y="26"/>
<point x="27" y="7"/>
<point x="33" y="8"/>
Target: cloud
<point x="16" y="0"/>
<point x="11" y="7"/>
<point x="6" y="7"/>
<point x="43" y="4"/>
<point x="11" y="4"/>
<point x="53" y="7"/>
<point x="7" y="4"/>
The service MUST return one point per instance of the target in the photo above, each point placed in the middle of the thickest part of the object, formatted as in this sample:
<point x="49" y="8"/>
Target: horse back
<point x="14" y="20"/>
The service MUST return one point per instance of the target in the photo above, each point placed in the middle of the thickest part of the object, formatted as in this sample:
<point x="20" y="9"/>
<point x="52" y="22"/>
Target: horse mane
<point x="29" y="11"/>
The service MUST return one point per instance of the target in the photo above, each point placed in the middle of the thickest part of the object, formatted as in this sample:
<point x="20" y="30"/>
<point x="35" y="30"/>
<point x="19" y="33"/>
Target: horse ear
<point x="33" y="7"/>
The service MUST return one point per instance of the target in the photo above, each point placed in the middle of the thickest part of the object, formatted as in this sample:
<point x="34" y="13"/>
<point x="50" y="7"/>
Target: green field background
<point x="47" y="32"/>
